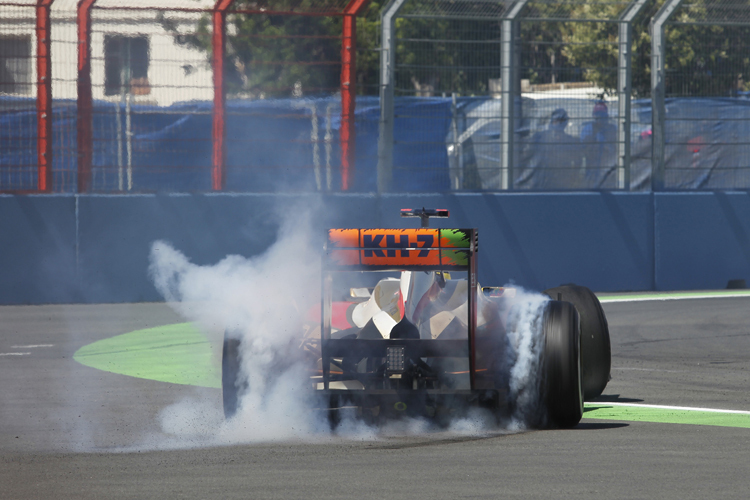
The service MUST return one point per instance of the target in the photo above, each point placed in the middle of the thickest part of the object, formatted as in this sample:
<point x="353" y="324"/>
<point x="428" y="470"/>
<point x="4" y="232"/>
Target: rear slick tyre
<point x="562" y="365"/>
<point x="596" y="351"/>
<point x="230" y="373"/>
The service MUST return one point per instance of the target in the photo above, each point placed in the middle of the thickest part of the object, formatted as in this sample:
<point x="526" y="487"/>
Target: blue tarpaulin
<point x="293" y="144"/>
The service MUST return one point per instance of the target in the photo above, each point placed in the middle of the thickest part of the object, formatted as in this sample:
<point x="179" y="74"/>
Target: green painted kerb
<point x="665" y="416"/>
<point x="674" y="295"/>
<point x="181" y="354"/>
<point x="178" y="354"/>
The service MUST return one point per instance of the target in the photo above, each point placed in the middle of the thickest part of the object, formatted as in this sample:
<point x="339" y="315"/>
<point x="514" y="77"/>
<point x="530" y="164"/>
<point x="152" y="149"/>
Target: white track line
<point x="14" y="353"/>
<point x="656" y="297"/>
<point x="662" y="407"/>
<point x="31" y="346"/>
<point x="627" y="368"/>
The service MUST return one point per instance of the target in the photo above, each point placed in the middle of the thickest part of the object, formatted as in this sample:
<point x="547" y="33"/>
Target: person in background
<point x="555" y="157"/>
<point x="599" y="139"/>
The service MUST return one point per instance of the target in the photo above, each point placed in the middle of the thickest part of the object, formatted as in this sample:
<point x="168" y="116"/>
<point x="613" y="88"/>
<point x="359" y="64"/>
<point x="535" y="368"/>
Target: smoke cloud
<point x="262" y="300"/>
<point x="524" y="358"/>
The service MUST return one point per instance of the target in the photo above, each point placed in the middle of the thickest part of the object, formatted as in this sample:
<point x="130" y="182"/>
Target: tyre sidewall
<point x="562" y="365"/>
<point x="230" y="374"/>
<point x="596" y="350"/>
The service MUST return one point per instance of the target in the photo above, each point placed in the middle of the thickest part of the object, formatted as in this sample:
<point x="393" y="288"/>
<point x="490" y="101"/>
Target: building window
<point x="15" y="65"/>
<point x="126" y="65"/>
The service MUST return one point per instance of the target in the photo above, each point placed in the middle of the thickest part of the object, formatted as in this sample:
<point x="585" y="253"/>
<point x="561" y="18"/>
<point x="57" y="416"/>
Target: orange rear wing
<point x="404" y="249"/>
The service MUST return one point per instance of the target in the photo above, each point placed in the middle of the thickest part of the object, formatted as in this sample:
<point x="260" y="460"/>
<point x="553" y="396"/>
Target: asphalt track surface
<point x="72" y="431"/>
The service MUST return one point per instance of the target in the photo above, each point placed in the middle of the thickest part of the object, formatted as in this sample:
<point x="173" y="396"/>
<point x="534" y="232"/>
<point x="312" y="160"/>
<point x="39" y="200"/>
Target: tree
<point x="446" y="55"/>
<point x="275" y="55"/>
<point x="701" y="59"/>
<point x="271" y="55"/>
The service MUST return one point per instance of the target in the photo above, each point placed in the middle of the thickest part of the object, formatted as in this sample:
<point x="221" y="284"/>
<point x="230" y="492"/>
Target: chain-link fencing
<point x="166" y="96"/>
<point x="64" y="83"/>
<point x="707" y="96"/>
<point x="285" y="67"/>
<point x="571" y="135"/>
<point x="18" y="89"/>
<point x="398" y="95"/>
<point x="151" y="83"/>
<point x="444" y="60"/>
<point x="524" y="95"/>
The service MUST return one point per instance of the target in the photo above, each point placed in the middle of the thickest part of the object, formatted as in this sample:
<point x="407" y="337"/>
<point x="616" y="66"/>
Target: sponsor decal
<point x="400" y="247"/>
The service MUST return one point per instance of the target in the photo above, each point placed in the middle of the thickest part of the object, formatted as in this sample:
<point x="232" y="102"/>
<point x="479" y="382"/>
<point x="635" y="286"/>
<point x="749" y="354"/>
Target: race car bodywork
<point x="425" y="340"/>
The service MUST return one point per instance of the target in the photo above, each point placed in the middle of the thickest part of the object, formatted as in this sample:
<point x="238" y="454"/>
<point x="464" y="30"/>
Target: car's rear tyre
<point x="231" y="386"/>
<point x="596" y="351"/>
<point x="561" y="380"/>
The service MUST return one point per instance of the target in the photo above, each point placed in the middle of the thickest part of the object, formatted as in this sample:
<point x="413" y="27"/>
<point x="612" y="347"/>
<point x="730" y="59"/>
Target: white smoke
<point x="524" y="357"/>
<point x="262" y="300"/>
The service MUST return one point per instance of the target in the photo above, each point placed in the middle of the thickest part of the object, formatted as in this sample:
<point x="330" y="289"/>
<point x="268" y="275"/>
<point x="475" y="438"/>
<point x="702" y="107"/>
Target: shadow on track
<point x="615" y="398"/>
<point x="596" y="426"/>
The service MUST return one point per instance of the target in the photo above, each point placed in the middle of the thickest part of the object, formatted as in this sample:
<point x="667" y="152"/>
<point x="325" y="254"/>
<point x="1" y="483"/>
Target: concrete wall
<point x="703" y="239"/>
<point x="94" y="248"/>
<point x="38" y="249"/>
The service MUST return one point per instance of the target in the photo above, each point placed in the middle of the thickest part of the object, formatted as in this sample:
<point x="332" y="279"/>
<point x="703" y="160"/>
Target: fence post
<point x="658" y="90"/>
<point x="348" y="89"/>
<point x="85" y="100"/>
<point x="387" y="67"/>
<point x="624" y="91"/>
<point x="218" y="48"/>
<point x="44" y="96"/>
<point x="508" y="91"/>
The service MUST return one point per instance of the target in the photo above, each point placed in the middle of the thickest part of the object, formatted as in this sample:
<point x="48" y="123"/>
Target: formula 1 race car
<point x="426" y="340"/>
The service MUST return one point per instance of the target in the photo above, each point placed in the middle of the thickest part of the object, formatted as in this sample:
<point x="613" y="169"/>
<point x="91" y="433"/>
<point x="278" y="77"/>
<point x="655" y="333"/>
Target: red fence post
<point x="43" y="96"/>
<point x="348" y="89"/>
<point x="85" y="99"/>
<point x="218" y="174"/>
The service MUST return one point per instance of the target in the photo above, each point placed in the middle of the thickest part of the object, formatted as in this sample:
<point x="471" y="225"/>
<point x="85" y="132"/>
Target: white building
<point x="135" y="51"/>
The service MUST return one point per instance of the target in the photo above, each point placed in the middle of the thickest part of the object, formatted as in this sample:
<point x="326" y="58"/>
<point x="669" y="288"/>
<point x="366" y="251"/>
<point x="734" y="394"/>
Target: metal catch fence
<point x="707" y="107"/>
<point x="445" y="60"/>
<point x="571" y="133"/>
<point x="283" y="70"/>
<point x="146" y="122"/>
<point x="401" y="95"/>
<point x="539" y="93"/>
<point x="21" y="66"/>
<point x="150" y="95"/>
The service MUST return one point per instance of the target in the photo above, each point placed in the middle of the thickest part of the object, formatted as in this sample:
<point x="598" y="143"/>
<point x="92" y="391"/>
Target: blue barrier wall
<point x="703" y="239"/>
<point x="116" y="232"/>
<point x="602" y="240"/>
<point x="94" y="248"/>
<point x="38" y="249"/>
